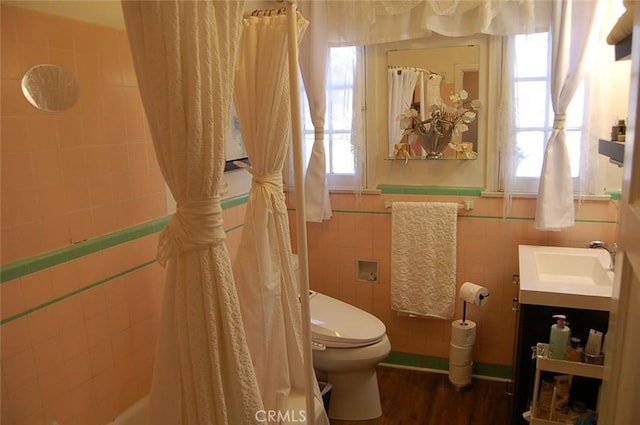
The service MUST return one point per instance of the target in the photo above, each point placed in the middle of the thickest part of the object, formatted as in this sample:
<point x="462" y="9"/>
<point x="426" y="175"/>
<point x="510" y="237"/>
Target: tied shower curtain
<point x="401" y="84"/>
<point x="571" y="32"/>
<point x="184" y="53"/>
<point x="267" y="287"/>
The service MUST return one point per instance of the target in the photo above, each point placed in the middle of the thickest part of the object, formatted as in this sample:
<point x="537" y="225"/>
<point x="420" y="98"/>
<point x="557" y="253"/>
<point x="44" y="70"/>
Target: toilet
<point x="347" y="345"/>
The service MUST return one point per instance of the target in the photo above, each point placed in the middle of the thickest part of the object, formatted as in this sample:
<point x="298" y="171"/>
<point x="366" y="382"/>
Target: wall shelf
<point x="623" y="48"/>
<point x="614" y="150"/>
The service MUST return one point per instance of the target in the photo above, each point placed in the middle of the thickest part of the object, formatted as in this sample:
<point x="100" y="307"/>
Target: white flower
<point x="440" y="116"/>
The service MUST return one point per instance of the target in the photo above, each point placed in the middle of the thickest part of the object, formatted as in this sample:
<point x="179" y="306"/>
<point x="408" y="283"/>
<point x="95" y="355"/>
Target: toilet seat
<point x="336" y="324"/>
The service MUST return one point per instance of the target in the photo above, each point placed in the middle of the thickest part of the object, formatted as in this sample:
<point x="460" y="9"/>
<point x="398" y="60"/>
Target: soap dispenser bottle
<point x="559" y="338"/>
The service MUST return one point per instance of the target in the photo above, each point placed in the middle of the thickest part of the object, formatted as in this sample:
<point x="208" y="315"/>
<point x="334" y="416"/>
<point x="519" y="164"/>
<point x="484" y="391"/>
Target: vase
<point x="435" y="140"/>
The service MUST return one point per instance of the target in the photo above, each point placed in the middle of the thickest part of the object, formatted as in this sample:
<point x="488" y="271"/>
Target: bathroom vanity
<point x="574" y="282"/>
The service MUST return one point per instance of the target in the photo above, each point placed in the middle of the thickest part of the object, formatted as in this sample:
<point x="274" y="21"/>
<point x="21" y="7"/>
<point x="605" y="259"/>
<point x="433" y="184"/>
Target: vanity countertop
<point x="568" y="277"/>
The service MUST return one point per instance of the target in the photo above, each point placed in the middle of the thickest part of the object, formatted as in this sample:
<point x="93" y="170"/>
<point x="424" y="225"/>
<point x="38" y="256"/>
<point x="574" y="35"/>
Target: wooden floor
<point x="412" y="397"/>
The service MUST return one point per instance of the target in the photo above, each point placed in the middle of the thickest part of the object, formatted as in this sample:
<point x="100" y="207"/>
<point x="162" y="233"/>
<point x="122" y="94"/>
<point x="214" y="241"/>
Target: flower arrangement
<point x="435" y="132"/>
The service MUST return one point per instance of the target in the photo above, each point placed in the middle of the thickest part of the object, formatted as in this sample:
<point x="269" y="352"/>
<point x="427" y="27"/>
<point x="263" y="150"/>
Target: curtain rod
<point x="267" y="12"/>
<point x="413" y="68"/>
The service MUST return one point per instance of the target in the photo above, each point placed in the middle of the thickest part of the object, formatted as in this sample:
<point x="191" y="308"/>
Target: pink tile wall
<point x="84" y="172"/>
<point x="80" y="341"/>
<point x="81" y="359"/>
<point x="487" y="254"/>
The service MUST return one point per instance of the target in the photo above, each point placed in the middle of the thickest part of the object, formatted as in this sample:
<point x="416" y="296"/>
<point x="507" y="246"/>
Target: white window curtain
<point x="572" y="26"/>
<point x="401" y="83"/>
<point x="505" y="122"/>
<point x="358" y="143"/>
<point x="313" y="66"/>
<point x="265" y="278"/>
<point x="184" y="55"/>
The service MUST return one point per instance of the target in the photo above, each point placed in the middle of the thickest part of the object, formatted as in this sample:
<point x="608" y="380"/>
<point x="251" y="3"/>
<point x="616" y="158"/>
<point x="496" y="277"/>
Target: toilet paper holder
<point x="480" y="295"/>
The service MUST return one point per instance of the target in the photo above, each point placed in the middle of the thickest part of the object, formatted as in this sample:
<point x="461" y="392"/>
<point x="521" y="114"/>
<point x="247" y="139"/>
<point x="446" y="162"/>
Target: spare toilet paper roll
<point x="472" y="293"/>
<point x="463" y="334"/>
<point x="460" y="356"/>
<point x="461" y="375"/>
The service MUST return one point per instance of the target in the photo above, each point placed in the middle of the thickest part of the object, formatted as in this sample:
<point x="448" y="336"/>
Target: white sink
<point x="565" y="277"/>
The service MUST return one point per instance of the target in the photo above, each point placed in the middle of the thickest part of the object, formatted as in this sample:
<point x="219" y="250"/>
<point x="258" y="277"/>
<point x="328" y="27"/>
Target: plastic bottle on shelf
<point x="559" y="338"/>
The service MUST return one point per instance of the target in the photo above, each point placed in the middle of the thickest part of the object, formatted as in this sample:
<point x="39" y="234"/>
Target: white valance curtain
<point x="401" y="83"/>
<point x="572" y="30"/>
<point x="184" y="54"/>
<point x="314" y="51"/>
<point x="266" y="281"/>
<point x="381" y="21"/>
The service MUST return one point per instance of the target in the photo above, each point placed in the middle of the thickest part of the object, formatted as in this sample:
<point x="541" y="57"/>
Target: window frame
<point x="529" y="184"/>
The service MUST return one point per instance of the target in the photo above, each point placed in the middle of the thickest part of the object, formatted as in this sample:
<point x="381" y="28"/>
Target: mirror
<point x="50" y="88"/>
<point x="434" y="74"/>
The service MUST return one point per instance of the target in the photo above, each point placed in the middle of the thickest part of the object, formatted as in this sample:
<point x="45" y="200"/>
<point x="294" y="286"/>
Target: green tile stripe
<point x="76" y="292"/>
<point x="442" y="363"/>
<point x="431" y="190"/>
<point x="234" y="201"/>
<point x="43" y="261"/>
<point x="616" y="195"/>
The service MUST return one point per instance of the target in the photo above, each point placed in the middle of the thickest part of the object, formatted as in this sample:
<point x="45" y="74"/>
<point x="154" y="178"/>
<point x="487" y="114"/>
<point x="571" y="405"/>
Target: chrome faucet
<point x="611" y="249"/>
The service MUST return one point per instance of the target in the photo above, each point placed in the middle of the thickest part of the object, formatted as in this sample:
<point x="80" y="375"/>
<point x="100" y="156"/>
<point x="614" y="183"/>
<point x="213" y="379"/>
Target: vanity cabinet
<point x="533" y="326"/>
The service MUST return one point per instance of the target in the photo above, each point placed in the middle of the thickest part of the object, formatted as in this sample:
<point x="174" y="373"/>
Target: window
<point x="534" y="113"/>
<point x="343" y="90"/>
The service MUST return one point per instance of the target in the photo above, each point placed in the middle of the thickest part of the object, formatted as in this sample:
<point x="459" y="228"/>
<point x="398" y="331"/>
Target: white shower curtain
<point x="401" y="83"/>
<point x="313" y="65"/>
<point x="184" y="53"/>
<point x="267" y="287"/>
<point x="571" y="32"/>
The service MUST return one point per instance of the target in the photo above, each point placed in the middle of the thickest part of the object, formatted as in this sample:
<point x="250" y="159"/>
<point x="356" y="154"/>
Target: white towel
<point x="423" y="258"/>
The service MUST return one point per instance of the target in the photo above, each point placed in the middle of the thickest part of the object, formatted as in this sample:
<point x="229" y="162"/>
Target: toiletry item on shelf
<point x="622" y="130"/>
<point x="543" y="407"/>
<point x="594" y="343"/>
<point x="562" y="390"/>
<point x="593" y="358"/>
<point x="614" y="133"/>
<point x="574" y="352"/>
<point x="593" y="350"/>
<point x="580" y="414"/>
<point x="559" y="338"/>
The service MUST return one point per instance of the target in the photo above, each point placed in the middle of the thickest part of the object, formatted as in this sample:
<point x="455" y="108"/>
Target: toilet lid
<point x="337" y="324"/>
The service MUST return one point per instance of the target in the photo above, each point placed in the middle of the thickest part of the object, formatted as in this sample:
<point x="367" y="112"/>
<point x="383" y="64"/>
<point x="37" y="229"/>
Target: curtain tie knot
<point x="318" y="133"/>
<point x="560" y="121"/>
<point x="196" y="224"/>
<point x="270" y="185"/>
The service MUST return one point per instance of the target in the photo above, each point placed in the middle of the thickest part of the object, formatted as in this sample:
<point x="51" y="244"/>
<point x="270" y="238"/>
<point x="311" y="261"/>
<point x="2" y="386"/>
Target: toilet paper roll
<point x="460" y="356"/>
<point x="461" y="375"/>
<point x="472" y="293"/>
<point x="463" y="334"/>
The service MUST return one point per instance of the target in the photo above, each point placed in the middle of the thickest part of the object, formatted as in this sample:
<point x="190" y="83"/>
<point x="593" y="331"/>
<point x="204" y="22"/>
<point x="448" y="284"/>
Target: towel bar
<point x="463" y="205"/>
